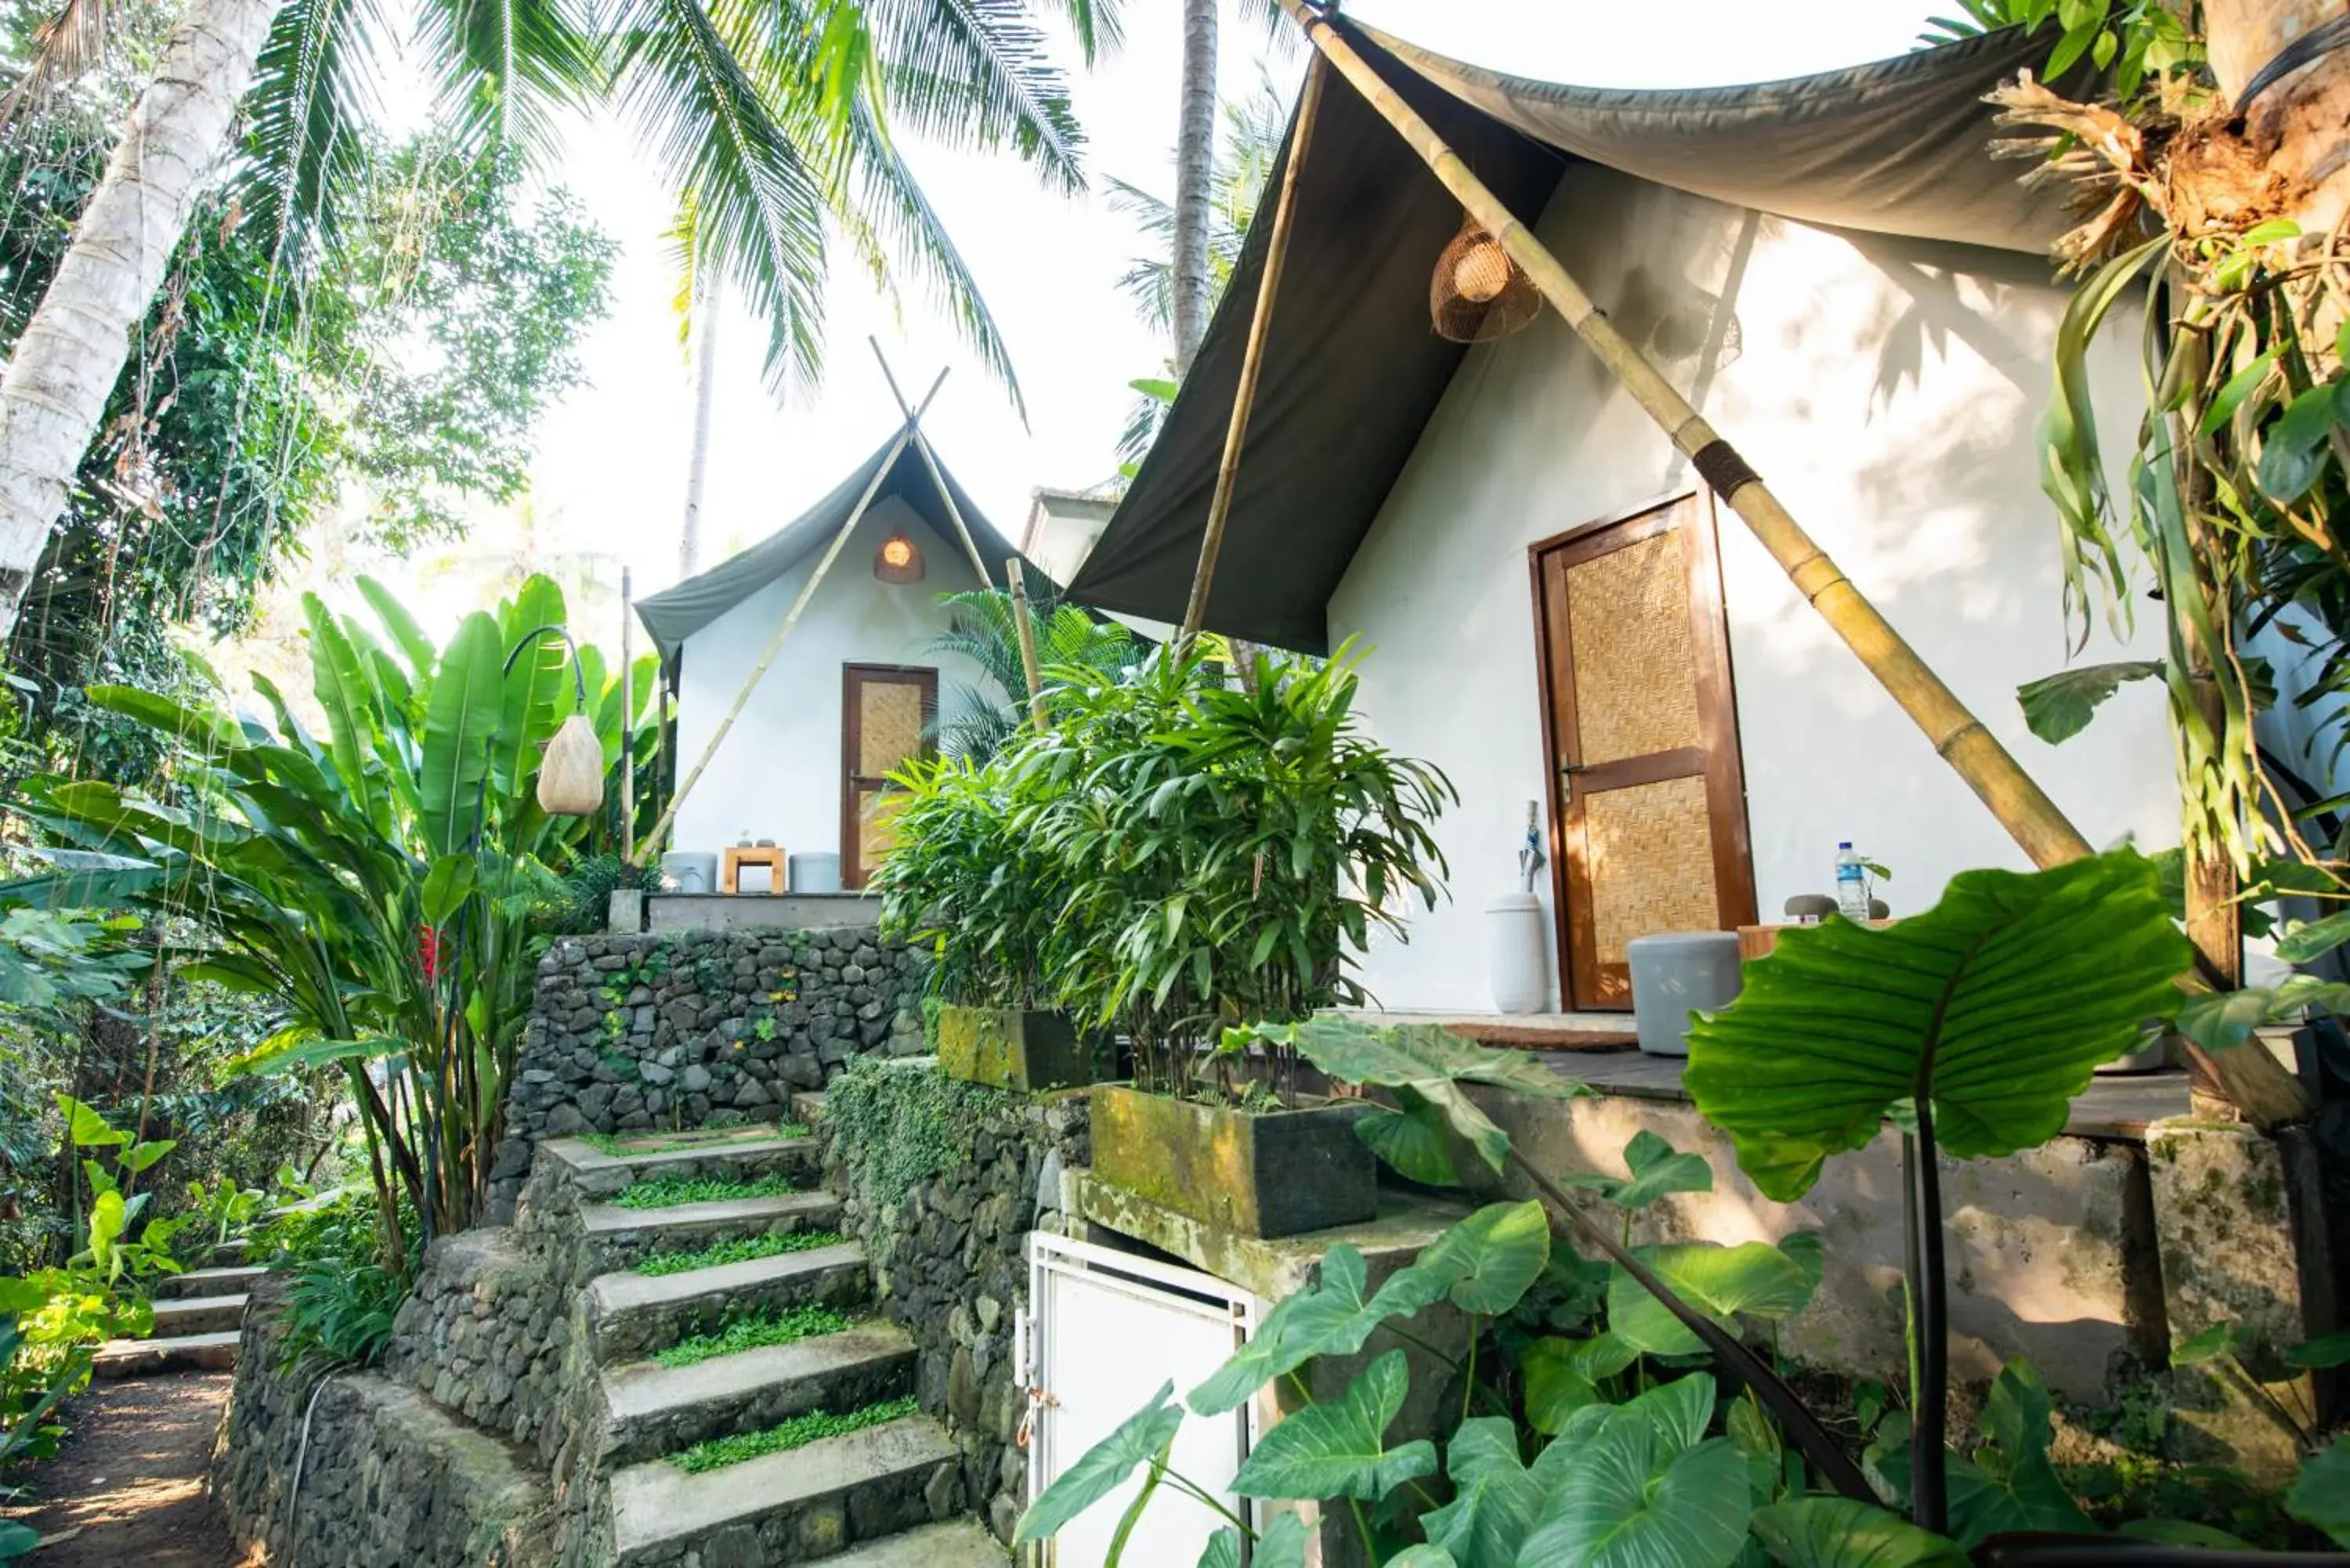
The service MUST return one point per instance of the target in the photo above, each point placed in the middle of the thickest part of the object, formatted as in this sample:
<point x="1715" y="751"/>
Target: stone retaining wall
<point x="484" y="1333"/>
<point x="949" y="1257"/>
<point x="385" y="1478"/>
<point x="629" y="1033"/>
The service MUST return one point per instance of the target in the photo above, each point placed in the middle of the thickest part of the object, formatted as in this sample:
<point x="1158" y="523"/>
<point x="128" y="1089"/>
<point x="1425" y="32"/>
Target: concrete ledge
<point x="758" y="912"/>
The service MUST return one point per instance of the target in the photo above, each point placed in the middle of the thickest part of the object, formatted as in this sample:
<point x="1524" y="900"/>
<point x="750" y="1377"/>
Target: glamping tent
<point x="854" y="687"/>
<point x="1562" y="609"/>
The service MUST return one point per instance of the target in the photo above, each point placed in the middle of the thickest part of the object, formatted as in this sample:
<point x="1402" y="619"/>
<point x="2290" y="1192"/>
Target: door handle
<point x="1566" y="771"/>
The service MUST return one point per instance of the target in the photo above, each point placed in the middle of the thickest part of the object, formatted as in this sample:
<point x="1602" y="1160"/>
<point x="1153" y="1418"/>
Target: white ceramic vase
<point x="1517" y="949"/>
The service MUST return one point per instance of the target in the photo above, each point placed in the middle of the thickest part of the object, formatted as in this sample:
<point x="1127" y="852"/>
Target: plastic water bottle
<point x="1852" y="885"/>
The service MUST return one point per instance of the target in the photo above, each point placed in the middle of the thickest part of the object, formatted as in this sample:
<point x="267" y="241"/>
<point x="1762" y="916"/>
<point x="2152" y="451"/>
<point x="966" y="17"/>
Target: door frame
<point x="1717" y="710"/>
<point x="853" y="869"/>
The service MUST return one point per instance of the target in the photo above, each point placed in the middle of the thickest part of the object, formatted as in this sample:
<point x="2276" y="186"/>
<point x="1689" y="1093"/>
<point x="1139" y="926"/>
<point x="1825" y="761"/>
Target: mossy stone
<point x="1006" y="1049"/>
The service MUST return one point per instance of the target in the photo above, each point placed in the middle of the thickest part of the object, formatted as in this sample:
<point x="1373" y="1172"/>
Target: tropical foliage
<point x="981" y="628"/>
<point x="377" y="885"/>
<point x="1592" y="1429"/>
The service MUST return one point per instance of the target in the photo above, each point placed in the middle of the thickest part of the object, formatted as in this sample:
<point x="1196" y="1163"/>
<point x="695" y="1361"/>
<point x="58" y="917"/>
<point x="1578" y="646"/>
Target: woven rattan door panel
<point x="886" y="713"/>
<point x="1646" y="800"/>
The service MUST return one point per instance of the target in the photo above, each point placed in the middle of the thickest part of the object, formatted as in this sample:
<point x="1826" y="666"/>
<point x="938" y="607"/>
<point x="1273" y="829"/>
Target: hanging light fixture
<point x="1477" y="293"/>
<point x="899" y="560"/>
<point x="571" y="774"/>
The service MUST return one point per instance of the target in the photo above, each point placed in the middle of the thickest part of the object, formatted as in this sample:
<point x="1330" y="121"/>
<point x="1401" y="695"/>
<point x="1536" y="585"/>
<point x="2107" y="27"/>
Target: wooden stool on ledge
<point x="738" y="856"/>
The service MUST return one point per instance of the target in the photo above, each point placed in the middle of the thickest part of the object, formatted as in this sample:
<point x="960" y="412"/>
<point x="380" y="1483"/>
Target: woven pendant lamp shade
<point x="571" y="775"/>
<point x="1477" y="293"/>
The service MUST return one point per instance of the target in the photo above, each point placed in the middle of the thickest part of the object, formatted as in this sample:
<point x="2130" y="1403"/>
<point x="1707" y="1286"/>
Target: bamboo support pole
<point x="1276" y="253"/>
<point x="1016" y="580"/>
<point x="627" y="731"/>
<point x="792" y="619"/>
<point x="2266" y="1092"/>
<point x="1962" y="740"/>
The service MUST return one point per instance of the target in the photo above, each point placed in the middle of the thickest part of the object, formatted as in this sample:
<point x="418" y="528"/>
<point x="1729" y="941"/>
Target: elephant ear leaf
<point x="1432" y="1064"/>
<point x="1340" y="1450"/>
<point x="1656" y="1170"/>
<point x="1838" y="1532"/>
<point x="1494" y="1500"/>
<point x="1627" y="1501"/>
<point x="1488" y="1261"/>
<point x="2322" y="1496"/>
<point x="1998" y="1002"/>
<point x="1141" y="1440"/>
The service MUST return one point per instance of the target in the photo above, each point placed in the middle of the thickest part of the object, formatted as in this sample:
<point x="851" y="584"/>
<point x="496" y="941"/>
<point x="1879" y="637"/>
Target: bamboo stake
<point x="1017" y="581"/>
<point x="628" y="735"/>
<point x="1276" y="253"/>
<point x="1962" y="740"/>
<point x="783" y="632"/>
<point x="2266" y="1092"/>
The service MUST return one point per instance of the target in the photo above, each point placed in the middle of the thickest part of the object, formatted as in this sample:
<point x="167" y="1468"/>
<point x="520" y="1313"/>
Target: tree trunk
<point x="705" y="359"/>
<point x="72" y="351"/>
<point x="1195" y="172"/>
<point x="2291" y="158"/>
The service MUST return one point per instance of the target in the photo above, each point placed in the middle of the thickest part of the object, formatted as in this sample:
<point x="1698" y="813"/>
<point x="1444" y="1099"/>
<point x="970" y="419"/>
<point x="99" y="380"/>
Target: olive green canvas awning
<point x="676" y="613"/>
<point x="1353" y="371"/>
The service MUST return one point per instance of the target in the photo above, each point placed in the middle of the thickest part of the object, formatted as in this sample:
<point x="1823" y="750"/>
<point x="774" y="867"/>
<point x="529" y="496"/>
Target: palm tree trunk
<point x="2297" y="128"/>
<point x="1195" y="172"/>
<point x="705" y="359"/>
<point x="73" y="348"/>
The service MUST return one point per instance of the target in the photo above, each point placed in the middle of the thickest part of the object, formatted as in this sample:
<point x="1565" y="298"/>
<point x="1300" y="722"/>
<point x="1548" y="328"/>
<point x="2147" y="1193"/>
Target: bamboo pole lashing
<point x="1276" y="253"/>
<point x="792" y="619"/>
<point x="2263" y="1089"/>
<point x="2019" y="803"/>
<point x="1015" y="580"/>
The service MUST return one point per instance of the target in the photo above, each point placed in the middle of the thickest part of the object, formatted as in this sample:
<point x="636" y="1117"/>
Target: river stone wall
<point x="485" y="1332"/>
<point x="947" y="1255"/>
<point x="386" y="1480"/>
<point x="629" y="1033"/>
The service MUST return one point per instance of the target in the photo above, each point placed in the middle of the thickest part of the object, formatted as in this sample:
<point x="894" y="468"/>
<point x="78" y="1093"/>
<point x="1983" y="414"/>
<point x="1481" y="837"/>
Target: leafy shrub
<point x="896" y="1125"/>
<point x="786" y="1327"/>
<point x="669" y="1194"/>
<point x="342" y="1297"/>
<point x="743" y="1250"/>
<point x="714" y="1453"/>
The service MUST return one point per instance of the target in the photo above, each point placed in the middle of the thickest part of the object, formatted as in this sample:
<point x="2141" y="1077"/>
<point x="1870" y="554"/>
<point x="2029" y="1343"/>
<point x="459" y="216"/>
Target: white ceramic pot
<point x="1517" y="949"/>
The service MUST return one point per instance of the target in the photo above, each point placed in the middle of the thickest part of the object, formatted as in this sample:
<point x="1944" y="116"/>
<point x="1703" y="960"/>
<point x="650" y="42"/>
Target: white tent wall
<point x="778" y="774"/>
<point x="1888" y="391"/>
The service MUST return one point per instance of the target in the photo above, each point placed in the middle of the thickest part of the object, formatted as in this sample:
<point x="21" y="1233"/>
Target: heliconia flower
<point x="428" y="949"/>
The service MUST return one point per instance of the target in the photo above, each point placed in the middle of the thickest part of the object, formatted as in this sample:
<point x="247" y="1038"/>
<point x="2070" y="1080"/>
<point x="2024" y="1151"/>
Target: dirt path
<point x="130" y="1480"/>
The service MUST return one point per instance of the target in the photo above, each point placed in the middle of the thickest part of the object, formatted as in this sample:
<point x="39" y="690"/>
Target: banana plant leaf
<point x="1998" y="1002"/>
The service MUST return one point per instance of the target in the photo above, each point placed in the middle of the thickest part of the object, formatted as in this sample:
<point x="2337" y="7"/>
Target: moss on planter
<point x="1273" y="1175"/>
<point x="1006" y="1049"/>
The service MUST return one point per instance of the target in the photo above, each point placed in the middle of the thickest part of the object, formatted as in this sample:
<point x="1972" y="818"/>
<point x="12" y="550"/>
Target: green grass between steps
<point x="784" y="1327"/>
<point x="797" y="1432"/>
<point x="620" y="1146"/>
<point x="742" y="1250"/>
<point x="669" y="1194"/>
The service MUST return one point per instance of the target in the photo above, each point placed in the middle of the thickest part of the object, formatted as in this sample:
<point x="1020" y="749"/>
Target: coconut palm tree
<point x="767" y="121"/>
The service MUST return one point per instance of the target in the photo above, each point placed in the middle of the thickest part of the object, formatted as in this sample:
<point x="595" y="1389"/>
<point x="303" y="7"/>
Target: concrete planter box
<point x="1264" y="1175"/>
<point x="1007" y="1049"/>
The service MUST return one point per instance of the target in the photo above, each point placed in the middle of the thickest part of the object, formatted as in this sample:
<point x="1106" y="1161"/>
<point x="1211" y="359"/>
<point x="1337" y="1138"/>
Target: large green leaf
<point x="1999" y="1002"/>
<point x="461" y="720"/>
<point x="1330" y="1317"/>
<point x="413" y="643"/>
<point x="445" y="888"/>
<point x="81" y="880"/>
<point x="1622" y="1504"/>
<point x="1432" y="1063"/>
<point x="339" y="680"/>
<point x="1752" y="1277"/>
<point x="1494" y="1500"/>
<point x="2058" y="707"/>
<point x="2321" y="1497"/>
<point x="1488" y="1261"/>
<point x="15" y="1539"/>
<point x="1141" y="1439"/>
<point x="1340" y="1450"/>
<point x="1656" y="1169"/>
<point x="1838" y="1532"/>
<point x="538" y="690"/>
<point x="2011" y="1483"/>
<point x="85" y="1129"/>
<point x="1562" y="1375"/>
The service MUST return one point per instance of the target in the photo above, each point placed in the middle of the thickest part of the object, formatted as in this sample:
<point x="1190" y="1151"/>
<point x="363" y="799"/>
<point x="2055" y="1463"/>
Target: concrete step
<point x="220" y="1281"/>
<point x="807" y="1108"/>
<point x="631" y="1316"/>
<point x="227" y="1254"/>
<point x="599" y="1175"/>
<point x="617" y="1237"/>
<point x="961" y="1544"/>
<point x="792" y="1507"/>
<point x="185" y="1316"/>
<point x="652" y="1410"/>
<point x="152" y="1358"/>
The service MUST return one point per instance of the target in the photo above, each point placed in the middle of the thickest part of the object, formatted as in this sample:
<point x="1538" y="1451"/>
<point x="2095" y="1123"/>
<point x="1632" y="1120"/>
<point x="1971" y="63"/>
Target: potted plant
<point x="1225" y="852"/>
<point x="962" y="883"/>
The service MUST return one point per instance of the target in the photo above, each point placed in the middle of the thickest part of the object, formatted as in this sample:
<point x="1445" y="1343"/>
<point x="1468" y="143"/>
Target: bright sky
<point x="611" y="468"/>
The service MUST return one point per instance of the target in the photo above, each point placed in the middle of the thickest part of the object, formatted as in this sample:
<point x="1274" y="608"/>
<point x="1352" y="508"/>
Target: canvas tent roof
<point x="1352" y="370"/>
<point x="677" y="613"/>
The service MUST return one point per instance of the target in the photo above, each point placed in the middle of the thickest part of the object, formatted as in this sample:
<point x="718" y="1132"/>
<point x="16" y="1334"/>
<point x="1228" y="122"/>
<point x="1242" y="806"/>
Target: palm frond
<point x="72" y="40"/>
<point x="977" y="69"/>
<point x="314" y="91"/>
<point x="759" y="207"/>
<point x="503" y="66"/>
<point x="1099" y="25"/>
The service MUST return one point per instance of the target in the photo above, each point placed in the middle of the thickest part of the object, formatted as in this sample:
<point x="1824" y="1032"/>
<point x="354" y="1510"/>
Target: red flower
<point x="428" y="949"/>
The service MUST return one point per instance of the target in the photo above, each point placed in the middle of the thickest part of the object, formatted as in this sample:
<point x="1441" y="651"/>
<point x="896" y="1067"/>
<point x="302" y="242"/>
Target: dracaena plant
<point x="377" y="885"/>
<point x="963" y="884"/>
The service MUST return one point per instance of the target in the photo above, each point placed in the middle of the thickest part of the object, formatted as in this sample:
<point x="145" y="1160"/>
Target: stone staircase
<point x="887" y="1494"/>
<point x="198" y="1317"/>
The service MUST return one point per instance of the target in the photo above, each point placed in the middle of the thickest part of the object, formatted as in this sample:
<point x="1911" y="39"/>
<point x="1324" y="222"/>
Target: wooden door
<point x="887" y="712"/>
<point x="1648" y="801"/>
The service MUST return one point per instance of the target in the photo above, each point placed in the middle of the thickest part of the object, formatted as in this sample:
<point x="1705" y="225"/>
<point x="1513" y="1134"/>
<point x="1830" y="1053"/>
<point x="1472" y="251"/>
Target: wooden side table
<point x="738" y="856"/>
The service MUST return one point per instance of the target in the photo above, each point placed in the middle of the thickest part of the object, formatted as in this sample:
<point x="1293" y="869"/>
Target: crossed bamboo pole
<point x="2265" y="1090"/>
